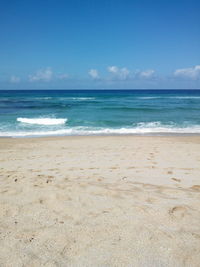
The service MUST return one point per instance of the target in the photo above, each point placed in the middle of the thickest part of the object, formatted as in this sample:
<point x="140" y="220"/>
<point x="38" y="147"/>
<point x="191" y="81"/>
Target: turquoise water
<point x="95" y="112"/>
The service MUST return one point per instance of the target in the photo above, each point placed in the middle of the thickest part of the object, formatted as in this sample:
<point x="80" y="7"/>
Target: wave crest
<point x="42" y="121"/>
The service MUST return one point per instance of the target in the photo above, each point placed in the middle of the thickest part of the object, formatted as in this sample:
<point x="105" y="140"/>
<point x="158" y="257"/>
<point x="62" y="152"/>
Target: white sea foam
<point x="151" y="124"/>
<point x="141" y="129"/>
<point x="76" y="98"/>
<point x="83" y="98"/>
<point x="42" y="121"/>
<point x="148" y="97"/>
<point x="43" y="98"/>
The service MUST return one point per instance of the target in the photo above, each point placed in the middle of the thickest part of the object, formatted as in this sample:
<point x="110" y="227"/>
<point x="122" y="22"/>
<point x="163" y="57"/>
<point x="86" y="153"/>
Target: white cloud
<point x="94" y="73"/>
<point x="118" y="73"/>
<point x="14" y="79"/>
<point x="113" y="69"/>
<point x="192" y="73"/>
<point x="147" y="74"/>
<point x="63" y="76"/>
<point x="45" y="75"/>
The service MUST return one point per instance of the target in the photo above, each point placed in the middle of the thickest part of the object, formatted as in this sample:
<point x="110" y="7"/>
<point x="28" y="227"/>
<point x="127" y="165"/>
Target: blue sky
<point x="99" y="44"/>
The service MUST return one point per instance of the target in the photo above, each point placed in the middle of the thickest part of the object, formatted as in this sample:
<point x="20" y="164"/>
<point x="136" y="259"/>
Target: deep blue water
<point x="87" y="112"/>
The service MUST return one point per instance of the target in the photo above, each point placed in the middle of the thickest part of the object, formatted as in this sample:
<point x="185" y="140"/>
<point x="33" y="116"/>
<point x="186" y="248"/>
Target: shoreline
<point x="105" y="135"/>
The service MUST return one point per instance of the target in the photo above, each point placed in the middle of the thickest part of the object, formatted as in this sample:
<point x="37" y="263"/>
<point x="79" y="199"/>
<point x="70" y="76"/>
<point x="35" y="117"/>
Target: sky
<point x="99" y="44"/>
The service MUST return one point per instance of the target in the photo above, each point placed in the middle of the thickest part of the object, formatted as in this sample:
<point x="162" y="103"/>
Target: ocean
<point x="34" y="113"/>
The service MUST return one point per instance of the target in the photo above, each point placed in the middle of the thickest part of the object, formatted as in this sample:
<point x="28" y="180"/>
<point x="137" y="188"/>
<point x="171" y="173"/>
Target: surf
<point x="42" y="121"/>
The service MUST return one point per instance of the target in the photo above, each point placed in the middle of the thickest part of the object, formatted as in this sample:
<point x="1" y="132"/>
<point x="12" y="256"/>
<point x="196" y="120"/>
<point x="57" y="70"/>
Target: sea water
<point x="31" y="113"/>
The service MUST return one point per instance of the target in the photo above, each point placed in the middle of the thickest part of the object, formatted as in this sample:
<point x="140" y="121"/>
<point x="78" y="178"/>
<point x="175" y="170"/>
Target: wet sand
<point x="100" y="201"/>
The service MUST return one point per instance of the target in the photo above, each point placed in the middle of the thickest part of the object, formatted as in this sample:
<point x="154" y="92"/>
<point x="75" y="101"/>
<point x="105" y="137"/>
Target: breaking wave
<point x="42" y="121"/>
<point x="141" y="128"/>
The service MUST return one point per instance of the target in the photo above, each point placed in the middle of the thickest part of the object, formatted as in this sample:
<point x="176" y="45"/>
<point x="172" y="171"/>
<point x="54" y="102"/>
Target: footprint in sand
<point x="114" y="167"/>
<point x="178" y="212"/>
<point x="196" y="188"/>
<point x="176" y="180"/>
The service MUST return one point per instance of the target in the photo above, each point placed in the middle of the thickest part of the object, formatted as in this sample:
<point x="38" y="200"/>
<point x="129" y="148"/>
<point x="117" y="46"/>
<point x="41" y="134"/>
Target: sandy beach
<point x="100" y="201"/>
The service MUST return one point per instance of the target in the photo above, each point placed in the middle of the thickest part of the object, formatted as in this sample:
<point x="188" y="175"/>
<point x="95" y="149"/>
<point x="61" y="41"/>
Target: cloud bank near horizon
<point x="191" y="73"/>
<point x="111" y="75"/>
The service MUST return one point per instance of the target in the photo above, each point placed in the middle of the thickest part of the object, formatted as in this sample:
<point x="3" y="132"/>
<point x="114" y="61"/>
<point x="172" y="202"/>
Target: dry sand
<point x="100" y="201"/>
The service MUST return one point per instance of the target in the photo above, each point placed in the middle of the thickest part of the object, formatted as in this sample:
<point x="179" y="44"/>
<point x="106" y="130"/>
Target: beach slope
<point x="100" y="201"/>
